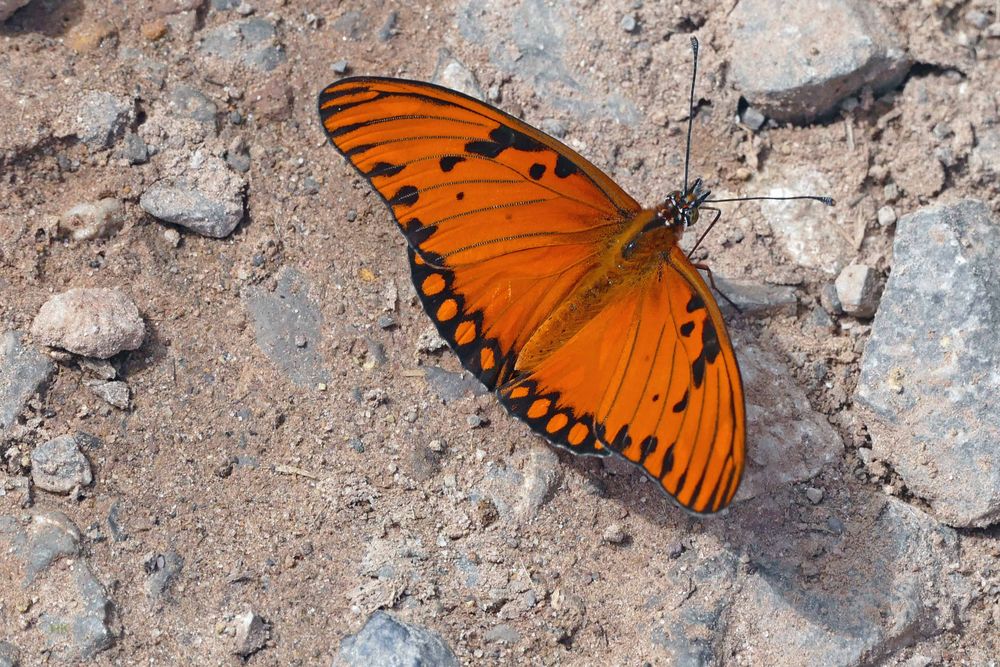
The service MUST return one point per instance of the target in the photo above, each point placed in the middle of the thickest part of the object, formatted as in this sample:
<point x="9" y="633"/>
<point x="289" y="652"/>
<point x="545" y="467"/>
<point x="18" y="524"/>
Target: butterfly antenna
<point x="823" y="200"/>
<point x="694" y="76"/>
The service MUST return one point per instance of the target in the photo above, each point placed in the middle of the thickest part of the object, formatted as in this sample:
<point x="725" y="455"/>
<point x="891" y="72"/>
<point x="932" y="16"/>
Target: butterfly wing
<point x="502" y="220"/>
<point x="657" y="371"/>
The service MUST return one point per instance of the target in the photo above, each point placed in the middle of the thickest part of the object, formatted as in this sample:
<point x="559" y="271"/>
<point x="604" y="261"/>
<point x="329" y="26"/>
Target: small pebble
<point x="614" y="534"/>
<point x="58" y="466"/>
<point x="814" y="495"/>
<point x="629" y="23"/>
<point x="858" y="290"/>
<point x="754" y="119"/>
<point x="114" y="393"/>
<point x="386" y="321"/>
<point x="474" y="421"/>
<point x="886" y="216"/>
<point x="172" y="236"/>
<point x="341" y="67"/>
<point x="252" y="633"/>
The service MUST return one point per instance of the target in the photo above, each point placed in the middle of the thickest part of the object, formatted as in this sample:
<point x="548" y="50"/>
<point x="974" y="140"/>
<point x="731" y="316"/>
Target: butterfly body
<point x="553" y="285"/>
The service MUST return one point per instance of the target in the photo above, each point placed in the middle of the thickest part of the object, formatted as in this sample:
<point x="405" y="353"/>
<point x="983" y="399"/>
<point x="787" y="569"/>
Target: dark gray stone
<point x="451" y="386"/>
<point x="76" y="618"/>
<point x="162" y="571"/>
<point x="754" y="119"/>
<point x="253" y="42"/>
<point x="23" y="371"/>
<point x="694" y="610"/>
<point x="114" y="393"/>
<point x="9" y="655"/>
<point x="58" y="466"/>
<point x="281" y="317"/>
<point x="208" y="199"/>
<point x="102" y="119"/>
<point x="789" y="64"/>
<point x="929" y="371"/>
<point x="386" y="641"/>
<point x="189" y="102"/>
<point x="755" y="299"/>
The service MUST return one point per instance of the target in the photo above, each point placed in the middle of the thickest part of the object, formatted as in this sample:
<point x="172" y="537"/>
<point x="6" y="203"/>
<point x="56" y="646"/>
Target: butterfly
<point x="554" y="287"/>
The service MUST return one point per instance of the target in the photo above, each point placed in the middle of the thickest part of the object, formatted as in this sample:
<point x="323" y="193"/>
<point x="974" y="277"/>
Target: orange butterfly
<point x="553" y="286"/>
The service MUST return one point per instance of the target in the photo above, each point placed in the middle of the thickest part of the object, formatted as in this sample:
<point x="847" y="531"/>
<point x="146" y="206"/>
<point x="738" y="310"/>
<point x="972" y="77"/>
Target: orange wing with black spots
<point x="552" y="284"/>
<point x="502" y="220"/>
<point x="657" y="370"/>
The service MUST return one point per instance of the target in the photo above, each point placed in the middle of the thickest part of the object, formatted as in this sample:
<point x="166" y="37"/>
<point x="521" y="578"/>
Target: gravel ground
<point x="228" y="432"/>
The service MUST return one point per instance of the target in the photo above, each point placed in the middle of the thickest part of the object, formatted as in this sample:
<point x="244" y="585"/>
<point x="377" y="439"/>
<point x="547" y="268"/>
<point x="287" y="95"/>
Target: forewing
<point x="502" y="220"/>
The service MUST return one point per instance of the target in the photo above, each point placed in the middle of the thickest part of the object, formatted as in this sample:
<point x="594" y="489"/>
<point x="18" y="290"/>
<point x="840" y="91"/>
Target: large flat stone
<point x="929" y="377"/>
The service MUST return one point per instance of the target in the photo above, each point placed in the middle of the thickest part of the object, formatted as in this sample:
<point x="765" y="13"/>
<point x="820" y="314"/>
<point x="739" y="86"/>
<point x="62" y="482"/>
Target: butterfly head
<point x="680" y="209"/>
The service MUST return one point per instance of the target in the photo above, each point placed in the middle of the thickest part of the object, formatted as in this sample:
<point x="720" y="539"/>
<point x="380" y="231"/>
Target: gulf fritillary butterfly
<point x="552" y="285"/>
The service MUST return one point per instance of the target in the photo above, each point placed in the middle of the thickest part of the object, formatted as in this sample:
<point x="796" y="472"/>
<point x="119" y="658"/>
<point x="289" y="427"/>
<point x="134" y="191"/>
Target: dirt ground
<point x="354" y="470"/>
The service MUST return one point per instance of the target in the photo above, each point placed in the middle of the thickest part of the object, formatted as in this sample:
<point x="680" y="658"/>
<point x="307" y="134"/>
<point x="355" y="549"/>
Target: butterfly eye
<point x="693" y="217"/>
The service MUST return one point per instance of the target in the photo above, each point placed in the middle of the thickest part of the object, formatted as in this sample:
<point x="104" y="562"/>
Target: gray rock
<point x="694" y="620"/>
<point x="281" y="317"/>
<point x="850" y="598"/>
<point x="386" y="641"/>
<point x="629" y="23"/>
<point x="453" y="74"/>
<point x="238" y="155"/>
<point x="102" y="119"/>
<point x="208" y="199"/>
<point x="253" y="42"/>
<point x="451" y="386"/>
<point x="789" y="63"/>
<point x="7" y="8"/>
<point x="388" y="29"/>
<point x="87" y="221"/>
<point x="252" y="633"/>
<point x="191" y="103"/>
<point x="93" y="322"/>
<point x="340" y="67"/>
<point x="23" y="371"/>
<point x="753" y="118"/>
<point x="858" y="290"/>
<point x="757" y="299"/>
<point x="985" y="158"/>
<point x="928" y="372"/>
<point x="135" y="149"/>
<point x="9" y="655"/>
<point x="114" y="393"/>
<point x="58" y="466"/>
<point x="528" y="42"/>
<point x="162" y="571"/>
<point x="789" y="441"/>
<point x="76" y="614"/>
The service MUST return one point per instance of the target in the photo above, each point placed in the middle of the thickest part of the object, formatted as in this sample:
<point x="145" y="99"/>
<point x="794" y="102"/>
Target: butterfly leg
<point x="711" y="281"/>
